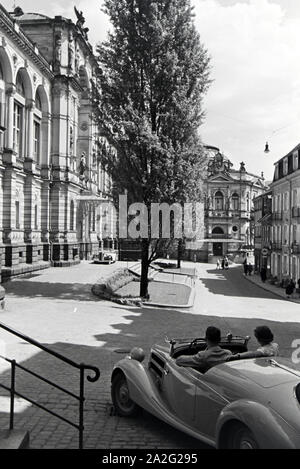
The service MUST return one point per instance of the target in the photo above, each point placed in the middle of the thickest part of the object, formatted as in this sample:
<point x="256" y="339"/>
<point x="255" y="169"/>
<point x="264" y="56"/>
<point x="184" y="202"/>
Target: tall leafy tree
<point x="154" y="73"/>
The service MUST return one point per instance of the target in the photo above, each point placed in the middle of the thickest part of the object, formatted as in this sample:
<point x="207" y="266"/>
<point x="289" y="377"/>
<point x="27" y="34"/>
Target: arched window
<point x="219" y="201"/>
<point x="20" y="88"/>
<point x="217" y="231"/>
<point x="72" y="215"/>
<point x="235" y="202"/>
<point x="41" y="126"/>
<point x="38" y="102"/>
<point x="2" y="104"/>
<point x="37" y="118"/>
<point x="19" y="117"/>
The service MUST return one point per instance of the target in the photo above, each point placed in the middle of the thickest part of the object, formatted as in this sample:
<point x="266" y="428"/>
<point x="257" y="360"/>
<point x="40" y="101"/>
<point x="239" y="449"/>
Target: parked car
<point x="108" y="257"/>
<point x="246" y="404"/>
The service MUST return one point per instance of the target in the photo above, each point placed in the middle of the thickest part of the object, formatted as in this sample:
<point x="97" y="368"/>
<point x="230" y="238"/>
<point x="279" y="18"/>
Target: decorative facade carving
<point x="219" y="164"/>
<point x="57" y="50"/>
<point x="71" y="51"/>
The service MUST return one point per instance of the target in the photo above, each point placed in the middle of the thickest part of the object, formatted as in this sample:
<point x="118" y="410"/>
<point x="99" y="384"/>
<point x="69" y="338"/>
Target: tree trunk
<point x="179" y="253"/>
<point x="145" y="268"/>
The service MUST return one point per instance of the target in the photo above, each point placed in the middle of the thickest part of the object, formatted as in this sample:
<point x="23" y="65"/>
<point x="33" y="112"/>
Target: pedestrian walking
<point x="250" y="268"/>
<point x="263" y="274"/>
<point x="289" y="290"/>
<point x="218" y="264"/>
<point x="226" y="263"/>
<point x="223" y="263"/>
<point x="245" y="264"/>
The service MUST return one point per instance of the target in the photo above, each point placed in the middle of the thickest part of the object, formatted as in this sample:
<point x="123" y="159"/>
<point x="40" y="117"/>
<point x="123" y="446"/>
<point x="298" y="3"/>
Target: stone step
<point x="14" y="439"/>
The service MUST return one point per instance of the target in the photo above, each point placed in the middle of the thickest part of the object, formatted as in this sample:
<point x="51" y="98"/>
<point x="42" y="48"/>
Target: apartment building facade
<point x="285" y="256"/>
<point x="262" y="231"/>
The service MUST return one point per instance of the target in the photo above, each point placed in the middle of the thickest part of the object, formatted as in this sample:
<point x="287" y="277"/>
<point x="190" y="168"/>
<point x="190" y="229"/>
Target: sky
<point x="255" y="58"/>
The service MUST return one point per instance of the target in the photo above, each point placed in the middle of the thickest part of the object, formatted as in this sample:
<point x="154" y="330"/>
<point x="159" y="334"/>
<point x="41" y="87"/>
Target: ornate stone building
<point x="52" y="184"/>
<point x="229" y="195"/>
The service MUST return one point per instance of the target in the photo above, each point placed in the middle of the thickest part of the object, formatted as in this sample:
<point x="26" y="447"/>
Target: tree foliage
<point x="154" y="73"/>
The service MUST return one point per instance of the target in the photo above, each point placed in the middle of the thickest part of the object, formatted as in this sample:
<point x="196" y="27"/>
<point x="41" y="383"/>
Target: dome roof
<point x="30" y="16"/>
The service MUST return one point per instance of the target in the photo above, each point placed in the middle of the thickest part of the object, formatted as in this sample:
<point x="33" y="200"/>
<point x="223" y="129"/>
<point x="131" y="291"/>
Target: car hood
<point x="266" y="372"/>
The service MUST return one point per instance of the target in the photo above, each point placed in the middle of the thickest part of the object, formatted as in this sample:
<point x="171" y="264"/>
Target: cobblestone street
<point x="57" y="308"/>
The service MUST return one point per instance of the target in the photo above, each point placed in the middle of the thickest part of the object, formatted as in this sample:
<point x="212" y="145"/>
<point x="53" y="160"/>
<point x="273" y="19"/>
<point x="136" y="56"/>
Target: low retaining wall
<point x="106" y="288"/>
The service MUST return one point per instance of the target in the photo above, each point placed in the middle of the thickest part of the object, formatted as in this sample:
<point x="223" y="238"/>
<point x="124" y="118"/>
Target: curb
<point x="271" y="291"/>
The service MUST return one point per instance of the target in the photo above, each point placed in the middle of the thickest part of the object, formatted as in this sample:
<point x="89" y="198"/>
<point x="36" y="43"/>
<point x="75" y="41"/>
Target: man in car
<point x="212" y="355"/>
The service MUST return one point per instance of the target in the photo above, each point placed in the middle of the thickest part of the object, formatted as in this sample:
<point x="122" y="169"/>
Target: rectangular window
<point x="17" y="208"/>
<point x="94" y="219"/>
<point x="286" y="201"/>
<point x="280" y="203"/>
<point x="36" y="141"/>
<point x="36" y="217"/>
<point x="17" y="129"/>
<point x="294" y="234"/>
<point x="295" y="197"/>
<point x="295" y="156"/>
<point x="235" y="203"/>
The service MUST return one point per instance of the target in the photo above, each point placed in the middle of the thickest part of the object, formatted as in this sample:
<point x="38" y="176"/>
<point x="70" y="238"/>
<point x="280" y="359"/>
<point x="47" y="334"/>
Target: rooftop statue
<point x="80" y="22"/>
<point x="219" y="164"/>
<point x="80" y="18"/>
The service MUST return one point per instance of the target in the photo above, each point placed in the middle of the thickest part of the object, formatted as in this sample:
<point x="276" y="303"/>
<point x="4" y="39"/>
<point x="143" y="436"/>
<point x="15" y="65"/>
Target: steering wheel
<point x="193" y="344"/>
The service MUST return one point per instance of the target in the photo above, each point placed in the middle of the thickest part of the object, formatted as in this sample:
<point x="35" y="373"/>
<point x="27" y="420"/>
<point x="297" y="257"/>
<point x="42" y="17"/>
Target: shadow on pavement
<point x="60" y="291"/>
<point x="172" y="323"/>
<point x="232" y="282"/>
<point x="102" y="429"/>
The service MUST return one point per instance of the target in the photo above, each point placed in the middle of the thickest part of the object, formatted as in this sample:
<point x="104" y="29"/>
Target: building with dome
<point x="228" y="216"/>
<point x="53" y="188"/>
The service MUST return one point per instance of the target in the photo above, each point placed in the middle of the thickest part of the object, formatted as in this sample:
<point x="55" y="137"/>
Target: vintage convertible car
<point x="241" y="404"/>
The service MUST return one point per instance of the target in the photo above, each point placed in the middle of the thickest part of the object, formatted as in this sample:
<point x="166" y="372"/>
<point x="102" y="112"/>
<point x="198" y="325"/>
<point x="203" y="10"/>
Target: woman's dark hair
<point x="264" y="335"/>
<point x="213" y="334"/>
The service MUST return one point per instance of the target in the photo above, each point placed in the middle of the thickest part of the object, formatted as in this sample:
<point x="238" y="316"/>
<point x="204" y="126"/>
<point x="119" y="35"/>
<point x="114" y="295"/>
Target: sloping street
<point x="57" y="308"/>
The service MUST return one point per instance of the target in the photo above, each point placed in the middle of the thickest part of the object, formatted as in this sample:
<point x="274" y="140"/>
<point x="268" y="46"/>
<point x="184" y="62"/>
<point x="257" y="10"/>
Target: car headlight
<point x="137" y="354"/>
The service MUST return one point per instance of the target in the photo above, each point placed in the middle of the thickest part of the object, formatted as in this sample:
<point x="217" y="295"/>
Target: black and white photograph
<point x="149" y="228"/>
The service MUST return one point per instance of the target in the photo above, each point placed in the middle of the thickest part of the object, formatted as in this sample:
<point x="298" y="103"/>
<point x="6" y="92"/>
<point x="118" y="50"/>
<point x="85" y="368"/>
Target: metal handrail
<point x="81" y="366"/>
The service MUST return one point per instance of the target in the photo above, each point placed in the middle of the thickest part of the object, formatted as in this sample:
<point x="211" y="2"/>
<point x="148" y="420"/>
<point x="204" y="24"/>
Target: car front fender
<point x="142" y="387"/>
<point x="270" y="430"/>
<point x="145" y="392"/>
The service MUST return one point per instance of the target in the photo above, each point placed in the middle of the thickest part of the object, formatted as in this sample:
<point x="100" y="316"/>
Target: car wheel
<point x="124" y="406"/>
<point x="241" y="437"/>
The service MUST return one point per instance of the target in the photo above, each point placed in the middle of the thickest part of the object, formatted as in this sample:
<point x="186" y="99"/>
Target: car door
<point x="209" y="403"/>
<point x="179" y="390"/>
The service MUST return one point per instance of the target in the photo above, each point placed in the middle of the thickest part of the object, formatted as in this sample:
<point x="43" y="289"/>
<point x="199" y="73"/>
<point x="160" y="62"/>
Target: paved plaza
<point x="57" y="308"/>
